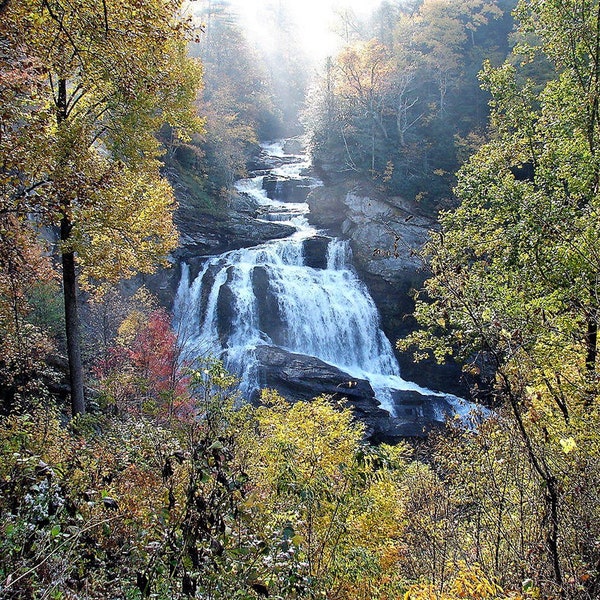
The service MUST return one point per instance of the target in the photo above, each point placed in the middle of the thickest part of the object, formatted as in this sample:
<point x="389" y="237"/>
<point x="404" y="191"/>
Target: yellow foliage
<point x="380" y="519"/>
<point x="470" y="583"/>
<point x="316" y="438"/>
<point x="144" y="303"/>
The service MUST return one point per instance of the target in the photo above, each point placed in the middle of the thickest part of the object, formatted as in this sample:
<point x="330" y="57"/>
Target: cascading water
<point x="268" y="295"/>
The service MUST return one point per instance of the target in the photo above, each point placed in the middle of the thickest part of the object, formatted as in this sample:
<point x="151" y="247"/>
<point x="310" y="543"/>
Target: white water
<point x="326" y="313"/>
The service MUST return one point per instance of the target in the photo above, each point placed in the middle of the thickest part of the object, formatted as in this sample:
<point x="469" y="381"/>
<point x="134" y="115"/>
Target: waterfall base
<point x="298" y="377"/>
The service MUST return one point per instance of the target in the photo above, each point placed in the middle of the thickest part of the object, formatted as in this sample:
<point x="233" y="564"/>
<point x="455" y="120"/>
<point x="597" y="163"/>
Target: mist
<point x="311" y="23"/>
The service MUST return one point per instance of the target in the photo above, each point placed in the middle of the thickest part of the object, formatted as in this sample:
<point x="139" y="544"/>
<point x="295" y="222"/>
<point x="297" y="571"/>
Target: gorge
<point x="291" y="313"/>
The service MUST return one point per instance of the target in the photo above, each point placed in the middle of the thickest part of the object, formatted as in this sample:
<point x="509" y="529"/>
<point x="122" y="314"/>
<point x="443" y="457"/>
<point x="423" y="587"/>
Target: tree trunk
<point x="70" y="283"/>
<point x="591" y="343"/>
<point x="72" y="324"/>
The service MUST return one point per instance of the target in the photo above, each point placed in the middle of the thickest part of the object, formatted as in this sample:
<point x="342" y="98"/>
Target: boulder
<point x="301" y="377"/>
<point x="240" y="202"/>
<point x="268" y="316"/>
<point x="286" y="190"/>
<point x="385" y="239"/>
<point x="315" y="251"/>
<point x="327" y="210"/>
<point x="262" y="162"/>
<point x="298" y="377"/>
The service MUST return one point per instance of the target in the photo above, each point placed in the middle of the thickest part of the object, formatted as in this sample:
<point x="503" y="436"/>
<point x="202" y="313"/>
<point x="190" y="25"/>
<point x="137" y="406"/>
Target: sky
<point x="314" y="20"/>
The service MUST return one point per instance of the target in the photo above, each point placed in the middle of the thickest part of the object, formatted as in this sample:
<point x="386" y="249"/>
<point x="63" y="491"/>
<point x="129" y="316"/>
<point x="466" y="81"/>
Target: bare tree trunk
<point x="72" y="327"/>
<point x="69" y="277"/>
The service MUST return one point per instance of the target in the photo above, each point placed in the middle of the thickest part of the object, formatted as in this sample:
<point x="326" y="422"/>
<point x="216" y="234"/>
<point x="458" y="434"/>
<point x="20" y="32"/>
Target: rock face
<point x="298" y="377"/>
<point x="293" y="146"/>
<point x="204" y="234"/>
<point x="285" y="190"/>
<point x="385" y="236"/>
<point x="384" y="233"/>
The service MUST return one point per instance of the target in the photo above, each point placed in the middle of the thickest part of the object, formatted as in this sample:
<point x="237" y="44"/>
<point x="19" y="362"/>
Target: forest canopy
<point x="85" y="89"/>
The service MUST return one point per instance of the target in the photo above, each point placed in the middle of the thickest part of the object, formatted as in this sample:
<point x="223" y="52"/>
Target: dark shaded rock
<point x="326" y="208"/>
<point x="245" y="233"/>
<point x="396" y="306"/>
<point x="286" y="190"/>
<point x="240" y="202"/>
<point x="331" y="172"/>
<point x="315" y="252"/>
<point x="308" y="173"/>
<point x="262" y="162"/>
<point x="163" y="284"/>
<point x="269" y="318"/>
<point x="226" y="308"/>
<point x="208" y="280"/>
<point x="299" y="377"/>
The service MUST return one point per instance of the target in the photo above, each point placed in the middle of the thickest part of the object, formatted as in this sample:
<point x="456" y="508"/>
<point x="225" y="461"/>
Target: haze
<point x="312" y="21"/>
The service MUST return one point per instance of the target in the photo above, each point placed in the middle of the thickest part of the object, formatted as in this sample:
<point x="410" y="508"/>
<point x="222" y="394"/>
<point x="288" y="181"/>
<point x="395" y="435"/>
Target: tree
<point x="339" y="500"/>
<point x="114" y="74"/>
<point x="237" y="104"/>
<point x="394" y="108"/>
<point x="141" y="372"/>
<point x="24" y="122"/>
<point x="515" y="268"/>
<point x="362" y="86"/>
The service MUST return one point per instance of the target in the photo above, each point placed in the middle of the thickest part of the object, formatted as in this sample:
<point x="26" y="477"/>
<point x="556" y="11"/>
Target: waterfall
<point x="268" y="295"/>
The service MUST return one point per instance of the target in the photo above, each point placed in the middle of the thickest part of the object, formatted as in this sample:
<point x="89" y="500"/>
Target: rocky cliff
<point x="386" y="236"/>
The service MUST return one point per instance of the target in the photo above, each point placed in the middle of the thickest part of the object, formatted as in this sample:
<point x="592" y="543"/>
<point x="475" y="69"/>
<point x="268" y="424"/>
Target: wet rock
<point x="202" y="235"/>
<point x="226" y="308"/>
<point x="301" y="377"/>
<point x="268" y="316"/>
<point x="298" y="377"/>
<point x="243" y="203"/>
<point x="315" y="252"/>
<point x="261" y="161"/>
<point x="286" y="190"/>
<point x="327" y="211"/>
